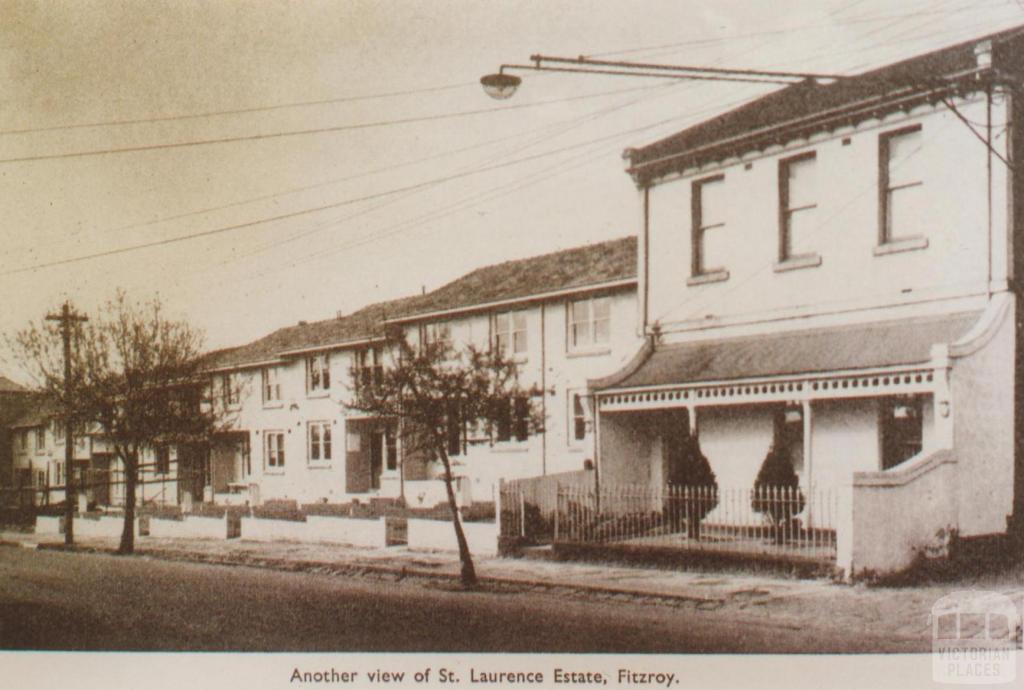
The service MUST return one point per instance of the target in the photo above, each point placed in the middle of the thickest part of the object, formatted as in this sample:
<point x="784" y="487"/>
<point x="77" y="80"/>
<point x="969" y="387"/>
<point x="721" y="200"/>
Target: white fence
<point x="316" y="530"/>
<point x="190" y="527"/>
<point x="439" y="535"/>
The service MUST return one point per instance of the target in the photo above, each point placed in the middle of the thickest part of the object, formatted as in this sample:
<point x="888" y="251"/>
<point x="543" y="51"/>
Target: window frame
<point x="591" y="346"/>
<point x="511" y="333"/>
<point x="889" y="242"/>
<point x="436" y="331"/>
<point x="574" y="419"/>
<point x="40" y="440"/>
<point x="788" y="259"/>
<point x="319" y="364"/>
<point x="370" y="365"/>
<point x="162" y="460"/>
<point x="324" y="445"/>
<point x="229" y="390"/>
<point x="273" y="458"/>
<point x="699" y="272"/>
<point x="271" y="378"/>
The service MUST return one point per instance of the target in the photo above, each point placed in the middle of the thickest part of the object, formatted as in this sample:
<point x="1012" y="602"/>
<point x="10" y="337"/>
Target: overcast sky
<point x="414" y="185"/>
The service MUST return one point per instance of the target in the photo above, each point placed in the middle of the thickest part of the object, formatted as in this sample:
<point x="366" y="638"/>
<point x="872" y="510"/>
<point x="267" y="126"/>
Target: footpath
<point x="896" y="613"/>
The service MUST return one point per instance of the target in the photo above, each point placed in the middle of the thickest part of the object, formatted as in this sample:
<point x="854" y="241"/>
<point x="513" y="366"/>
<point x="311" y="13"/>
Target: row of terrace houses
<point x="830" y="272"/>
<point x="562" y="317"/>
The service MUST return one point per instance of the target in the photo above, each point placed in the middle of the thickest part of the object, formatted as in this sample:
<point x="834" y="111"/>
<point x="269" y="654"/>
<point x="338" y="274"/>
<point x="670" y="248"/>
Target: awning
<point x="838" y="349"/>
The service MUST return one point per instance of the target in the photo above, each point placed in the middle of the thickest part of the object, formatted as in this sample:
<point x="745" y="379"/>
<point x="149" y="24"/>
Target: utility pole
<point x="67" y="317"/>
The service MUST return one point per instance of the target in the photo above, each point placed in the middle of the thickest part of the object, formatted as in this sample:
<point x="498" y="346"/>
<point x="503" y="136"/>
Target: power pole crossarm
<point x="67" y="317"/>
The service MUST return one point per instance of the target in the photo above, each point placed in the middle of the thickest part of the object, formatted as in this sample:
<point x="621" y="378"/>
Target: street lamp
<point x="501" y="85"/>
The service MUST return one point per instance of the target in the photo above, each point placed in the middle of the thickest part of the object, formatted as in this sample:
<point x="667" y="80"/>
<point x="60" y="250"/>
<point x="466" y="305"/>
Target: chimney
<point x="303" y="323"/>
<point x="983" y="54"/>
<point x="339" y="314"/>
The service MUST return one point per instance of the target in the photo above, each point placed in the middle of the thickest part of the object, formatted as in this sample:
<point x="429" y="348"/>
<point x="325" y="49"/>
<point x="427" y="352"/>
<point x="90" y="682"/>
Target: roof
<point x="361" y="325"/>
<point x="705" y="141"/>
<point x="570" y="269"/>
<point x="842" y="348"/>
<point x="8" y="386"/>
<point x="37" y="414"/>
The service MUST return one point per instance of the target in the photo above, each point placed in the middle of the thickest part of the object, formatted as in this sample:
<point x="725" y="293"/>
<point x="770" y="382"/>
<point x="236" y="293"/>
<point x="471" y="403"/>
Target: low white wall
<point x="106" y="526"/>
<point x="439" y="535"/>
<point x="191" y="527"/>
<point x="261" y="529"/>
<point x="48" y="525"/>
<point x="351" y="531"/>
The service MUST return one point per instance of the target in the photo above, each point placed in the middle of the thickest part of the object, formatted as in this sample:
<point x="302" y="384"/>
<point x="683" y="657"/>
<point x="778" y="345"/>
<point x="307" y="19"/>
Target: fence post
<point x="522" y="512"/>
<point x="558" y="508"/>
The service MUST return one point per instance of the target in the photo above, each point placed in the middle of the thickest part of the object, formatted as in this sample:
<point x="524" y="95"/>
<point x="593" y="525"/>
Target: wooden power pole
<point x="67" y="318"/>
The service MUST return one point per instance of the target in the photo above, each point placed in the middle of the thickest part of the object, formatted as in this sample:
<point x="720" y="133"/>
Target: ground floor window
<point x="319" y="441"/>
<point x="901" y="429"/>
<point x="273" y="450"/>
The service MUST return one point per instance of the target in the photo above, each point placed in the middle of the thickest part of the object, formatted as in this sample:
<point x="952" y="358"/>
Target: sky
<point x="362" y="162"/>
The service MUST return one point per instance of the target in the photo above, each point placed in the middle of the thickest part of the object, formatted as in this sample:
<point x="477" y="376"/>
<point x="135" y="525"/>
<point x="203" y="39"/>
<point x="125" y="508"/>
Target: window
<point x="437" y="331"/>
<point x="23" y="439"/>
<point x="271" y="385"/>
<point x="370" y="366"/>
<point x="901" y="429"/>
<point x="246" y="452"/>
<point x="577" y="417"/>
<point x="798" y="198"/>
<point x="589" y="323"/>
<point x="58" y="473"/>
<point x="163" y="459"/>
<point x="319" y="438"/>
<point x="510" y="332"/>
<point x="273" y="450"/>
<point x="58" y="431"/>
<point x="318" y="373"/>
<point x="512" y="419"/>
<point x="707" y="210"/>
<point x="900" y="186"/>
<point x="40" y="438"/>
<point x="229" y="390"/>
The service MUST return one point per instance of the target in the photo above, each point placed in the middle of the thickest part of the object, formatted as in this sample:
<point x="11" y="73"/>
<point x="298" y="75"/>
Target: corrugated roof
<point x="862" y="346"/>
<point x="564" y="270"/>
<point x="810" y="98"/>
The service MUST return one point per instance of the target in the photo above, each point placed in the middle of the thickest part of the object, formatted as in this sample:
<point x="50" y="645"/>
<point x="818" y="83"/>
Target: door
<point x="376" y="458"/>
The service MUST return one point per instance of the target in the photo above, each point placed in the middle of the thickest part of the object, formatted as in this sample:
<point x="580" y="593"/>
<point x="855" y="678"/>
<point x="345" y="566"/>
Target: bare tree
<point x="137" y="376"/>
<point x="431" y="390"/>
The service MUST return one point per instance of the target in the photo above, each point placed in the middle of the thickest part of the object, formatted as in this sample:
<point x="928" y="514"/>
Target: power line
<point x="236" y="111"/>
<point x="388" y="168"/>
<point x="302" y="132"/>
<point x="307" y="211"/>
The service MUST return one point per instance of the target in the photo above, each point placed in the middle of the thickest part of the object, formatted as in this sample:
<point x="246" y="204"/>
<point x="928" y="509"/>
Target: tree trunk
<point x="131" y="475"/>
<point x="468" y="571"/>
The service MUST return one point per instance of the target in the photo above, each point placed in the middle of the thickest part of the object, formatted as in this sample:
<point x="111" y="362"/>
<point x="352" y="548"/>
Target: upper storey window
<point x="510" y="332"/>
<point x="901" y="188"/>
<point x="707" y="207"/>
<point x="318" y="373"/>
<point x="798" y="200"/>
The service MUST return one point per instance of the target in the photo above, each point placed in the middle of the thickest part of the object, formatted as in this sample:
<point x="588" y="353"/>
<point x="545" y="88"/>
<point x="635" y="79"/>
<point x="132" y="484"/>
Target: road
<point x="80" y="601"/>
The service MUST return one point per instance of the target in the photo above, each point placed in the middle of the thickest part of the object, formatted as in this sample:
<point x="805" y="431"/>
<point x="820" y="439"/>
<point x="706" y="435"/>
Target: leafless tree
<point x="138" y="377"/>
<point x="430" y="389"/>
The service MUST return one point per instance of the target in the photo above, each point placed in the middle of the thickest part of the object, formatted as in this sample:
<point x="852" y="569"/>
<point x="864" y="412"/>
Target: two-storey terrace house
<point x="37" y="443"/>
<point x="832" y="272"/>
<point x="563" y="317"/>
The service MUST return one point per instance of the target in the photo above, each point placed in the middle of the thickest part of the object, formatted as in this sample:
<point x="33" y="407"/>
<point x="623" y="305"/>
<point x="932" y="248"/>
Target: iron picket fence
<point x="784" y="521"/>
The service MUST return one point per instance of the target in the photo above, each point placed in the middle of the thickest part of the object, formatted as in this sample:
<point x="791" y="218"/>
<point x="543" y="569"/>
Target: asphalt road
<point x="78" y="601"/>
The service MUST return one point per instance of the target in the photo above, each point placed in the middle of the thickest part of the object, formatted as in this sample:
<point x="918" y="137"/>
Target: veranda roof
<point x="841" y="348"/>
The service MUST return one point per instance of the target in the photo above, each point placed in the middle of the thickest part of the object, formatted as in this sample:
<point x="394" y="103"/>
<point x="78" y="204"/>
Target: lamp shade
<point x="500" y="86"/>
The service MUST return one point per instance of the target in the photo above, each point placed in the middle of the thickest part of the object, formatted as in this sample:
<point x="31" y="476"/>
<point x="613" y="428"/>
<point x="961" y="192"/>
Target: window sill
<point x="274" y="471"/>
<point x="705" y="278"/>
<point x="904" y="245"/>
<point x="273" y="405"/>
<point x="588" y="353"/>
<point x="318" y="394"/>
<point x="794" y="263"/>
<point x="319" y="464"/>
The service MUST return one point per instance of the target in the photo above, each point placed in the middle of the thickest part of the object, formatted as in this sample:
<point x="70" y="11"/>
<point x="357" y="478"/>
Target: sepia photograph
<point x="406" y="344"/>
